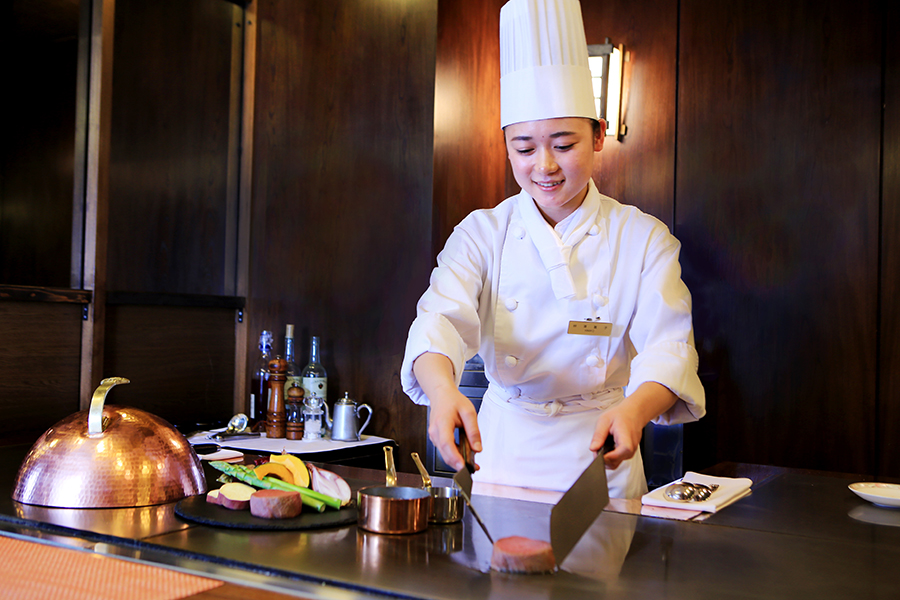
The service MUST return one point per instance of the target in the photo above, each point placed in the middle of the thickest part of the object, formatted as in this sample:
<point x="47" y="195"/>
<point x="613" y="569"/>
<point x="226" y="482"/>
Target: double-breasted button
<point x="511" y="304"/>
<point x="594" y="230"/>
<point x="511" y="361"/>
<point x="518" y="232"/>
<point x="593" y="361"/>
<point x="599" y="300"/>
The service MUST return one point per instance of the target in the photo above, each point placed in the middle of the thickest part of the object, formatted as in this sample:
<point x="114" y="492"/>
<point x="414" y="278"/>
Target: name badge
<point x="590" y="328"/>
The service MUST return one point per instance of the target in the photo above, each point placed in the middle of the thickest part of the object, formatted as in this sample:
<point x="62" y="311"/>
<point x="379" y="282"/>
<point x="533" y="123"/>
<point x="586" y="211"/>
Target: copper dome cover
<point x="109" y="457"/>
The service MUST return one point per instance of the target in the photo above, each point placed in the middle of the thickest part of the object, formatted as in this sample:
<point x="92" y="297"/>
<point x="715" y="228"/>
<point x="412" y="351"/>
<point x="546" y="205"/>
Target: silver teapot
<point x="345" y="425"/>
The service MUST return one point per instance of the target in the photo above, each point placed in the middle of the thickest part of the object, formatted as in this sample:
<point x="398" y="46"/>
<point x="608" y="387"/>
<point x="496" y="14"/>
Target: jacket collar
<point x="556" y="253"/>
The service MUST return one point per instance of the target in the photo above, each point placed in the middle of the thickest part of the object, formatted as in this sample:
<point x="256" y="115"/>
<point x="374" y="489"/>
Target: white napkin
<point x="222" y="454"/>
<point x="730" y="490"/>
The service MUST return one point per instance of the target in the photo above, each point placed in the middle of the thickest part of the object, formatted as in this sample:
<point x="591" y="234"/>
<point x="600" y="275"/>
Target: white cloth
<point x="493" y="294"/>
<point x="544" y="70"/>
<point x="729" y="490"/>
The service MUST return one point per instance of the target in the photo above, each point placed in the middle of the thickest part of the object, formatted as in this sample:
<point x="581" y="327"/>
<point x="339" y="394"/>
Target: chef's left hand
<point x="626" y="420"/>
<point x="626" y="428"/>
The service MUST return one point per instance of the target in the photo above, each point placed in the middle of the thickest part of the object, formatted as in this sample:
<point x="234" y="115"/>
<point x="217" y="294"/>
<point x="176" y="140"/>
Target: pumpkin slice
<point x="275" y="469"/>
<point x="296" y="466"/>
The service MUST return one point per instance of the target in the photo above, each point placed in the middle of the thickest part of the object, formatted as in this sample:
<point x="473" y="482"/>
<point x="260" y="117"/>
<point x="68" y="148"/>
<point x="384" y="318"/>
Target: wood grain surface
<point x="169" y="163"/>
<point x="640" y="169"/>
<point x="777" y="205"/>
<point x="341" y="223"/>
<point x="38" y="142"/>
<point x="888" y="415"/>
<point x="180" y="360"/>
<point x="39" y="366"/>
<point x="470" y="164"/>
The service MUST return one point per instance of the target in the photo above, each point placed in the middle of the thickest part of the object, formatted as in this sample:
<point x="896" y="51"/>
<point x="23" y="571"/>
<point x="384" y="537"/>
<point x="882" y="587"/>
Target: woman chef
<point x="574" y="301"/>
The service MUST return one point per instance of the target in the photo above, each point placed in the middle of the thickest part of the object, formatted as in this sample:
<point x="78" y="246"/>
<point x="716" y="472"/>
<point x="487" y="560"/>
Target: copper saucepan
<point x="109" y="457"/>
<point x="391" y="508"/>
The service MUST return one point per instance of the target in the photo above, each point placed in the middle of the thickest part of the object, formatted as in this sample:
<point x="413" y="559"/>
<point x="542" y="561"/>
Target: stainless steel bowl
<point x="109" y="457"/>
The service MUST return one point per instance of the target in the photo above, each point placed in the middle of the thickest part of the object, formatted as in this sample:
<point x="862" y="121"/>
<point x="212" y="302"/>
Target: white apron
<point x="544" y="282"/>
<point x="524" y="448"/>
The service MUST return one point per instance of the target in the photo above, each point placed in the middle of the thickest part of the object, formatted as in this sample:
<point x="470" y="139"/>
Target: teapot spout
<point x="328" y="423"/>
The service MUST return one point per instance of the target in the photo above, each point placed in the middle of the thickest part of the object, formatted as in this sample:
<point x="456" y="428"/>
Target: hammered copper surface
<point x="138" y="460"/>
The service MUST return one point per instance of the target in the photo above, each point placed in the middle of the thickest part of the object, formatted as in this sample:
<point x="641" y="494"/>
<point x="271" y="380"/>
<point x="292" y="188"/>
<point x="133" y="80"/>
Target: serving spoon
<point x="238" y="426"/>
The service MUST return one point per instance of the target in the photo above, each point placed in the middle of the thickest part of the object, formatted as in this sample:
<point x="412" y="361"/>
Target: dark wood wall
<point x="470" y="166"/>
<point x="639" y="169"/>
<point x="777" y="205"/>
<point x="755" y="130"/>
<point x="340" y="239"/>
<point x="887" y="433"/>
<point x="40" y="46"/>
<point x="165" y="296"/>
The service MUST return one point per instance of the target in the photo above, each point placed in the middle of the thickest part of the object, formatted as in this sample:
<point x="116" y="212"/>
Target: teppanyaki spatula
<point x="579" y="507"/>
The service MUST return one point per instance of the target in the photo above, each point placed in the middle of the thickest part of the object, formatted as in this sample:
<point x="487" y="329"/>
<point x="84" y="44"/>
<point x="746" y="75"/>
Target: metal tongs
<point x="463" y="479"/>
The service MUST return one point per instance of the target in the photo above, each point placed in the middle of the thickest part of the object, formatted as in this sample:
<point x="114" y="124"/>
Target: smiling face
<point x="552" y="159"/>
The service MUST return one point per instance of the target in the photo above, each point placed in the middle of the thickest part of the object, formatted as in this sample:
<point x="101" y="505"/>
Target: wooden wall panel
<point x="640" y="169"/>
<point x="172" y="78"/>
<point x="342" y="191"/>
<point x="889" y="366"/>
<point x="777" y="192"/>
<point x="470" y="163"/>
<point x="40" y="46"/>
<point x="180" y="360"/>
<point x="39" y="366"/>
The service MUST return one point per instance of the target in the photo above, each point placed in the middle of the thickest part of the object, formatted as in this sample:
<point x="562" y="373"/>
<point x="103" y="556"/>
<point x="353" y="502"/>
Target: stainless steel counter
<point x="797" y="535"/>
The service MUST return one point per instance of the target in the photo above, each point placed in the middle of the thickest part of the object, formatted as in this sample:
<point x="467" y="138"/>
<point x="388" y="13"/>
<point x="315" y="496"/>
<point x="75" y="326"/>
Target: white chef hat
<point x="544" y="70"/>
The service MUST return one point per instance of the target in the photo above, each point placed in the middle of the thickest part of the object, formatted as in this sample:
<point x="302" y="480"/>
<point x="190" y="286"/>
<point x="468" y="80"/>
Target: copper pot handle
<point x="95" y="414"/>
<point x="390" y="472"/>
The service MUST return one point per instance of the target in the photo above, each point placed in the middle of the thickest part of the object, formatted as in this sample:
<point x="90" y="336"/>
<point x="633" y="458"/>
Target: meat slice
<point x="517" y="554"/>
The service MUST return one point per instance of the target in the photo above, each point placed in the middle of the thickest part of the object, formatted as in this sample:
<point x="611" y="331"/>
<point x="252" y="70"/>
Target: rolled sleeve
<point x="674" y="365"/>
<point x="447" y="320"/>
<point x="662" y="334"/>
<point x="431" y="332"/>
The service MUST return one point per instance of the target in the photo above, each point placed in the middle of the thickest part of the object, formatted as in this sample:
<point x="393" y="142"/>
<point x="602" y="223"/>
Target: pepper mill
<point x="294" y="429"/>
<point x="275" y="414"/>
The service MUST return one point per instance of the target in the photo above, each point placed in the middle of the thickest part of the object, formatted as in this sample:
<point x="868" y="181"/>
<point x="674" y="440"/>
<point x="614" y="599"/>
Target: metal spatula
<point x="579" y="507"/>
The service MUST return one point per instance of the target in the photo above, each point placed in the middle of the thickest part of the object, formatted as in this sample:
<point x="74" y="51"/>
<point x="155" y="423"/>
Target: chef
<point x="574" y="301"/>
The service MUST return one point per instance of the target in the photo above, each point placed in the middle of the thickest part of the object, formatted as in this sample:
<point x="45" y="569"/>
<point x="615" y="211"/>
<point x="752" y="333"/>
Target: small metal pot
<point x="393" y="509"/>
<point x="447" y="503"/>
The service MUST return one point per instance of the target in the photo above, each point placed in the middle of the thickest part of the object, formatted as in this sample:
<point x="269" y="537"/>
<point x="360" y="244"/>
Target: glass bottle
<point x="293" y="369"/>
<point x="314" y="377"/>
<point x="259" y="379"/>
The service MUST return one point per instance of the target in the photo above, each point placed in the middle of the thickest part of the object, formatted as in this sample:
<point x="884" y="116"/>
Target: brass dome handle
<point x="95" y="414"/>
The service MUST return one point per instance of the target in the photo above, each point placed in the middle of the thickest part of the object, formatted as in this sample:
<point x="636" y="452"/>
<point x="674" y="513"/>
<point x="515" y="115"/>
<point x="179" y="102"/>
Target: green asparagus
<point x="310" y="498"/>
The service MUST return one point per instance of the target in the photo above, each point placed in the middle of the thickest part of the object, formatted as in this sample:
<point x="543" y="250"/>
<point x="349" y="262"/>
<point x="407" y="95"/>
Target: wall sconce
<point x="607" y="64"/>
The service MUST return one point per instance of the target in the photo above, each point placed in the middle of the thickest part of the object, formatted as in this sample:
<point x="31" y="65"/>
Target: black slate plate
<point x="198" y="510"/>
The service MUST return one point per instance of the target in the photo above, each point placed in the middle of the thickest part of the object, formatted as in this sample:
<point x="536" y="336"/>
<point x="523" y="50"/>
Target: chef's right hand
<point x="450" y="409"/>
<point x="453" y="410"/>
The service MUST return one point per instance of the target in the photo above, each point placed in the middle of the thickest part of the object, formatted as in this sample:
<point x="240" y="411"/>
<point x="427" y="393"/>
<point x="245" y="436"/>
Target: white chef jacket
<point x="506" y="286"/>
